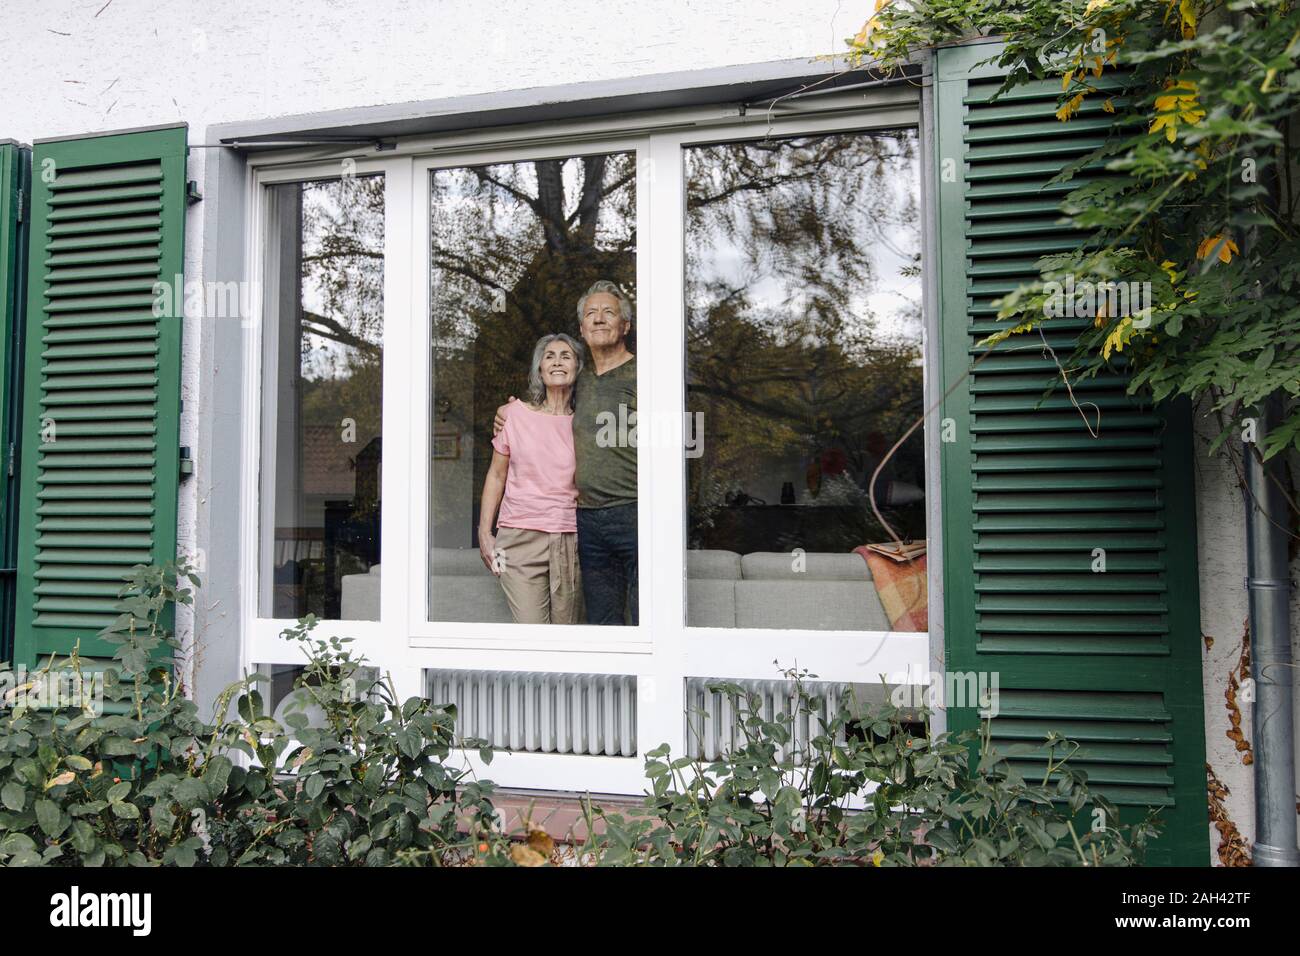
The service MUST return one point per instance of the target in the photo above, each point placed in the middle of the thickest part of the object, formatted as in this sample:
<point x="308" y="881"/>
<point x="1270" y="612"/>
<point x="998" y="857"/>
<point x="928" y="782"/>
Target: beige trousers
<point x="540" y="575"/>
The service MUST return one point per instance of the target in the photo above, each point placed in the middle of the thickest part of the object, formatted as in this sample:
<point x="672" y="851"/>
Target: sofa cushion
<point x="463" y="562"/>
<point x="710" y="603"/>
<point x="712" y="565"/>
<point x="461" y="591"/>
<point x="810" y="604"/>
<point x="359" y="600"/>
<point x="834" y="593"/>
<point x="478" y="599"/>
<point x="818" y="566"/>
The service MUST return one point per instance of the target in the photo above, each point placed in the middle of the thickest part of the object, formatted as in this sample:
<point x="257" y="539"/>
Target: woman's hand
<point x="487" y="550"/>
<point x="499" y="420"/>
<point x="494" y="486"/>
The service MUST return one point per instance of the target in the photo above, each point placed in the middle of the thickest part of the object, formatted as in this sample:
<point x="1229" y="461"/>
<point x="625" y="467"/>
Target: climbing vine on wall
<point x="1199" y="203"/>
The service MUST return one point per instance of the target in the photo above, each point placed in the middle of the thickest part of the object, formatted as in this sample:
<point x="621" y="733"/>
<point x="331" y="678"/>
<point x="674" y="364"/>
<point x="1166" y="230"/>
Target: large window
<point x="322" y="419"/>
<point x="514" y="248"/>
<point x="712" y="333"/>
<point x="803" y="369"/>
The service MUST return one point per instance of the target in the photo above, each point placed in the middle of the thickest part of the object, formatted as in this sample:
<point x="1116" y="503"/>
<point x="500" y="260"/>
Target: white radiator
<point x="713" y="727"/>
<point x="591" y="714"/>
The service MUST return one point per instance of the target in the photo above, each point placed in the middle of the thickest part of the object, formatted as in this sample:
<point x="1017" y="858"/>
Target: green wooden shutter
<point x="15" y="170"/>
<point x="102" y="396"/>
<point x="1111" y="660"/>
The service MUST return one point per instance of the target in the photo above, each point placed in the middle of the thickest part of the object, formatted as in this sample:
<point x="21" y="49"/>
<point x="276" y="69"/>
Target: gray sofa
<point x="724" y="589"/>
<point x="762" y="589"/>
<point x="462" y="590"/>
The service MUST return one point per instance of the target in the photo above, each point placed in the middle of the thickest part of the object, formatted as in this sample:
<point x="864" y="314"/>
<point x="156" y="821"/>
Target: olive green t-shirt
<point x="604" y="436"/>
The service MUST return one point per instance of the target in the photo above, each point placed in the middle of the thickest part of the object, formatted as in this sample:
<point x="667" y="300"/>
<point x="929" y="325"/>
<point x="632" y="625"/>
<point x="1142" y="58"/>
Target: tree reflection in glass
<point x="804" y="358"/>
<point x="322" y="386"/>
<point x="513" y="246"/>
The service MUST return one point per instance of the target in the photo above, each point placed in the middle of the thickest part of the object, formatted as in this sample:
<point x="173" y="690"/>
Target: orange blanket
<point x="902" y="587"/>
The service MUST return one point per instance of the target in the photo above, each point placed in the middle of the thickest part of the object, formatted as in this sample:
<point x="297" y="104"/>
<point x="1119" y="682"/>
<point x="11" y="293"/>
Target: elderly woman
<point x="531" y="480"/>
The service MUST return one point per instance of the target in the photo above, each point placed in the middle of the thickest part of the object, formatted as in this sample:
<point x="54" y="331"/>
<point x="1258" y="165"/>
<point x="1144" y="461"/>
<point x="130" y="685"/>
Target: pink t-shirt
<point x="540" y="492"/>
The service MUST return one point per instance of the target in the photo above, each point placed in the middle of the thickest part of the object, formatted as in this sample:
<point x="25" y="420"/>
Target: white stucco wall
<point x="79" y="66"/>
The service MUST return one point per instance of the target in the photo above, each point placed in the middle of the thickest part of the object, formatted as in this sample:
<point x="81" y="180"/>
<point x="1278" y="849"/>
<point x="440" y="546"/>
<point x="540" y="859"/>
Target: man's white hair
<point x="604" y="285"/>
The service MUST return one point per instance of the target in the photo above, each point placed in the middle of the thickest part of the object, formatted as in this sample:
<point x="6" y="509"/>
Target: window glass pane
<point x="804" y="368"/>
<point x="516" y="247"/>
<point x="288" y="689"/>
<point x="321" y="394"/>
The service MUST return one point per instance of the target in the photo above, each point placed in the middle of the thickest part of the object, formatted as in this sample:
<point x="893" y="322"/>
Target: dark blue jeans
<point x="607" y="555"/>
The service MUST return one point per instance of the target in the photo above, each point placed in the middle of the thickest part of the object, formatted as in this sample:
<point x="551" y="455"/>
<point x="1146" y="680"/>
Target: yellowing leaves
<point x="1227" y="248"/>
<point x="1186" y="16"/>
<point x="1095" y="5"/>
<point x="1070" y="107"/>
<point x="1167" y="122"/>
<point x="1002" y="335"/>
<point x="526" y="856"/>
<point x="1118" y="338"/>
<point x="1178" y="104"/>
<point x="1180" y="95"/>
<point x="1093" y="53"/>
<point x="539" y="841"/>
<point x="863" y="37"/>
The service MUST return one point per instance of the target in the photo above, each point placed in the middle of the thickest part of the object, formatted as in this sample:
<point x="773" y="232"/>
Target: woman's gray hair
<point x="604" y="285"/>
<point x="536" y="387"/>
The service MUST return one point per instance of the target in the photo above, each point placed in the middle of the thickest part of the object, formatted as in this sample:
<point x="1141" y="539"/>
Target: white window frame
<point x="662" y="651"/>
<point x="429" y="633"/>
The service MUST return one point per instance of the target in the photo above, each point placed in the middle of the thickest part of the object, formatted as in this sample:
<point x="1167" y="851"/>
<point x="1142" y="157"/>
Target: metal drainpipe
<point x="1269" y="586"/>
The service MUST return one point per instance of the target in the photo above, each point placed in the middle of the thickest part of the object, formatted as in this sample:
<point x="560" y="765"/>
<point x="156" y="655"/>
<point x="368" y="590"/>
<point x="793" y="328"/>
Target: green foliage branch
<point x="1194" y="190"/>
<point x="867" y="787"/>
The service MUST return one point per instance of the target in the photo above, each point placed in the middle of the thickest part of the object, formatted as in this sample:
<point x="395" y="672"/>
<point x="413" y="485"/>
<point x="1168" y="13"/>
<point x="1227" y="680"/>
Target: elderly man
<point x="604" y="439"/>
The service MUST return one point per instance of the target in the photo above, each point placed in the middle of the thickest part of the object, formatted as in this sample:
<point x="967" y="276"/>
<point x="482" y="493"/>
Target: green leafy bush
<point x="355" y="777"/>
<point x="923" y="803"/>
<point x="145" y="781"/>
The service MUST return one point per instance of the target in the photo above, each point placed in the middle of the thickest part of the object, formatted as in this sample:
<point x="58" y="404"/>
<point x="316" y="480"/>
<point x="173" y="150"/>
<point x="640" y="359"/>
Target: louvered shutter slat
<point x="103" y="381"/>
